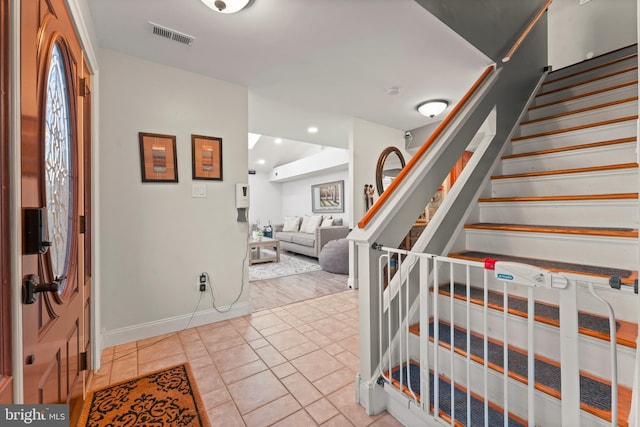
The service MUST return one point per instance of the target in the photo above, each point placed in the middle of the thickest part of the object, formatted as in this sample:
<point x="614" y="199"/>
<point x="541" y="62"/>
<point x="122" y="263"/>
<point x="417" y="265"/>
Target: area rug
<point x="168" y="397"/>
<point x="287" y="266"/>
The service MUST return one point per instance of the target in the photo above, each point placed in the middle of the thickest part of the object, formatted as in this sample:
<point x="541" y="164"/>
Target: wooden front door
<point x="55" y="155"/>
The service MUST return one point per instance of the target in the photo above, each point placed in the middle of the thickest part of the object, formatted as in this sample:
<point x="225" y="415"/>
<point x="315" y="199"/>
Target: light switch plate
<point x="198" y="190"/>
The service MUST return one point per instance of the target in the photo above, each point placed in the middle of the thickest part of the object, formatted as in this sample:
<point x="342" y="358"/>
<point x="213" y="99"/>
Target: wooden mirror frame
<point x="379" y="167"/>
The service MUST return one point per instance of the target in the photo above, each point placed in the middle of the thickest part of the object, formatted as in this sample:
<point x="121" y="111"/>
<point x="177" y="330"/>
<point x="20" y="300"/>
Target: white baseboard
<point x="171" y="324"/>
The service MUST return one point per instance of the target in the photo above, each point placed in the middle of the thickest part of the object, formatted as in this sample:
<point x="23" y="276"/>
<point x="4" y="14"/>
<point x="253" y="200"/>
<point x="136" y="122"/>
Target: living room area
<point x="307" y="198"/>
<point x="290" y="226"/>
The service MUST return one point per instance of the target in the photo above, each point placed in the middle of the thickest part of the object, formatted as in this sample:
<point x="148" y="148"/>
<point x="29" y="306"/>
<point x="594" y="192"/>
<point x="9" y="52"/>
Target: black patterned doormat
<point x="164" y="398"/>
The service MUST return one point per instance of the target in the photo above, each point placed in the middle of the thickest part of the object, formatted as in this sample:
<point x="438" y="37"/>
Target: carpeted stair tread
<point x="571" y="148"/>
<point x="595" y="394"/>
<point x="496" y="416"/>
<point x="556" y="229"/>
<point x="551" y="265"/>
<point x="577" y="197"/>
<point x="568" y="171"/>
<point x="589" y="324"/>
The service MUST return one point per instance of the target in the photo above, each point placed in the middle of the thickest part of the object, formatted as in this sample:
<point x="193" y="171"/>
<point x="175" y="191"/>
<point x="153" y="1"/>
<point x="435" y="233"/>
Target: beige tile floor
<point x="288" y="366"/>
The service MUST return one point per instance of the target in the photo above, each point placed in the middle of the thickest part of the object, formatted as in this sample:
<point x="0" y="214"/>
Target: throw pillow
<point x="314" y="223"/>
<point x="305" y="223"/>
<point x="291" y="223"/>
<point x="327" y="222"/>
<point x="337" y="221"/>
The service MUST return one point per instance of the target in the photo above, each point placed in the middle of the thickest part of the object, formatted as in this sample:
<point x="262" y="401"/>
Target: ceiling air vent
<point x="170" y="34"/>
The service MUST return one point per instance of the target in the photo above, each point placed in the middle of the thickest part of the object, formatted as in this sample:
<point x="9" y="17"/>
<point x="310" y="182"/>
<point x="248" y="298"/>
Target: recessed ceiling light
<point x="278" y="140"/>
<point x="261" y="162"/>
<point x="432" y="108"/>
<point x="226" y="6"/>
<point x="312" y="129"/>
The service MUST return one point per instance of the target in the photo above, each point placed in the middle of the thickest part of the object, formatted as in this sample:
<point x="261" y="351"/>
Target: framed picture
<point x="206" y="156"/>
<point x="328" y="197"/>
<point x="158" y="159"/>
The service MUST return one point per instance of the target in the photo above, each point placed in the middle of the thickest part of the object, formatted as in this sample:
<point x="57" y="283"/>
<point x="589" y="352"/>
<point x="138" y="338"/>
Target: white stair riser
<point x="602" y="83"/>
<point x="600" y="182"/>
<point x="584" y="102"/>
<point x="578" y="213"/>
<point x="547" y="408"/>
<point x="625" y="305"/>
<point x="546" y="339"/>
<point x="554" y="82"/>
<point x="626" y="129"/>
<point x="625" y="109"/>
<point x="598" y="156"/>
<point x="580" y="66"/>
<point x="615" y="252"/>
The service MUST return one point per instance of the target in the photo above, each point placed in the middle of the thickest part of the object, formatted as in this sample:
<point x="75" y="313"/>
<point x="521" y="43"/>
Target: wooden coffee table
<point x="265" y="242"/>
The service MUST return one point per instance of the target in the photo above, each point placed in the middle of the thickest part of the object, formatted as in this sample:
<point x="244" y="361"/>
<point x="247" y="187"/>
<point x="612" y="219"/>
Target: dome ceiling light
<point x="432" y="108"/>
<point x="226" y="6"/>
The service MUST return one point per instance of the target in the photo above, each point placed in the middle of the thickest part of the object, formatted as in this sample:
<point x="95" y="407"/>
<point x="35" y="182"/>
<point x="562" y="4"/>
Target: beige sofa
<point x="309" y="243"/>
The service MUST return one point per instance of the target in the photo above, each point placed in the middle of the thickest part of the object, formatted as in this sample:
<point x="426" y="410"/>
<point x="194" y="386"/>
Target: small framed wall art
<point x="327" y="197"/>
<point x="158" y="158"/>
<point x="206" y="155"/>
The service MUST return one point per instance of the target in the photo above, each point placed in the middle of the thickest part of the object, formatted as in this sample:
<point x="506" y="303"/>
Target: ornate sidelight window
<point x="58" y="166"/>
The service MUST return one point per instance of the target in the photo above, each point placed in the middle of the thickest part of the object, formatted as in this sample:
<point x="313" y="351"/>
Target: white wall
<point x="265" y="200"/>
<point x="296" y="195"/>
<point x="598" y="26"/>
<point x="366" y="142"/>
<point x="155" y="238"/>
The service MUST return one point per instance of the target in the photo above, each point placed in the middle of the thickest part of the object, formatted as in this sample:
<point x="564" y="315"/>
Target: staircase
<point x="564" y="199"/>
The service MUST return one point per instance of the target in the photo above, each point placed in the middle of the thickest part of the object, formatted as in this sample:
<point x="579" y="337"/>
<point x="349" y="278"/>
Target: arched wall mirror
<point x="390" y="163"/>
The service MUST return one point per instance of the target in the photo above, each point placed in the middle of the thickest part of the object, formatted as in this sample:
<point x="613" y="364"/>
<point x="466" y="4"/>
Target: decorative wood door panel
<point x="56" y="112"/>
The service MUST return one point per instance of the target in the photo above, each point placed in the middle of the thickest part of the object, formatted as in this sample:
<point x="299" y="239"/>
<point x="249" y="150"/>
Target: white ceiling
<point x="305" y="62"/>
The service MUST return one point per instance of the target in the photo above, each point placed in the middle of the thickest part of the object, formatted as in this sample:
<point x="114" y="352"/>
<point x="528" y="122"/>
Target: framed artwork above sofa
<point x="327" y="197"/>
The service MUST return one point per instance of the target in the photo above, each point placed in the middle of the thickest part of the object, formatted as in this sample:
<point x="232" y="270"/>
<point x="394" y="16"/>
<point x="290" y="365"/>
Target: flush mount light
<point x="226" y="6"/>
<point x="312" y="129"/>
<point x="261" y="162"/>
<point x="278" y="140"/>
<point x="432" y="108"/>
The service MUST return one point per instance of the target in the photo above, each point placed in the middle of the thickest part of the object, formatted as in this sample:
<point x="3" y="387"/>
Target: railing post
<point x="570" y="376"/>
<point x="370" y="395"/>
<point x="425" y="313"/>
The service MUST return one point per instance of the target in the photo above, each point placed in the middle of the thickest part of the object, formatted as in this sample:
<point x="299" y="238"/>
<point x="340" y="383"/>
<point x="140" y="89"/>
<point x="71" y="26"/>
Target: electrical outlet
<point x="203" y="282"/>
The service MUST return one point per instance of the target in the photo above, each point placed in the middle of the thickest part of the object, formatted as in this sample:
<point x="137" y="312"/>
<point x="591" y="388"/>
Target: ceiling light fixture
<point x="226" y="6"/>
<point x="312" y="129"/>
<point x="278" y="140"/>
<point x="432" y="108"/>
<point x="261" y="162"/>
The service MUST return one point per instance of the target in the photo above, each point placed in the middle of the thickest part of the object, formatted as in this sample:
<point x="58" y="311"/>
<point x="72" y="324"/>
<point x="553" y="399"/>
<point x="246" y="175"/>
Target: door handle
<point x="32" y="286"/>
